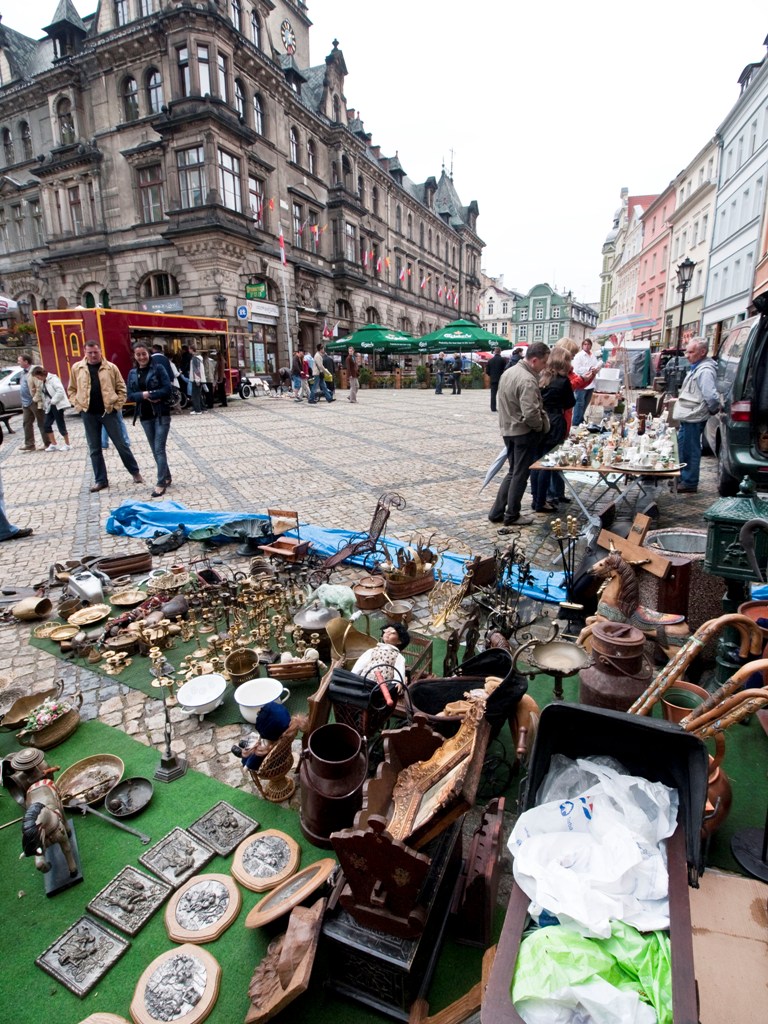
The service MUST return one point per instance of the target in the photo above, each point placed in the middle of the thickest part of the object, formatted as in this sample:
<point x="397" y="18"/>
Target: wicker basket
<point x="399" y="585"/>
<point x="55" y="732"/>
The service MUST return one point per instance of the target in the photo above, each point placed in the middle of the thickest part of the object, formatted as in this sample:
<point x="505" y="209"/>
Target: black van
<point x="741" y="436"/>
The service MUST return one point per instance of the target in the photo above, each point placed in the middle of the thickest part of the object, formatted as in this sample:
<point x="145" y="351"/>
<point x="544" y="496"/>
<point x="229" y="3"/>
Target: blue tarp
<point x="144" y="518"/>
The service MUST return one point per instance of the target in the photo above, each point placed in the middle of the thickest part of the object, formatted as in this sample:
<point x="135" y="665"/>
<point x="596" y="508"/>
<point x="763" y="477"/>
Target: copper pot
<point x="370" y="593"/>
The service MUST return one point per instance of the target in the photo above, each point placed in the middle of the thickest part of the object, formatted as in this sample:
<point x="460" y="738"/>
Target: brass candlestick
<point x="171" y="766"/>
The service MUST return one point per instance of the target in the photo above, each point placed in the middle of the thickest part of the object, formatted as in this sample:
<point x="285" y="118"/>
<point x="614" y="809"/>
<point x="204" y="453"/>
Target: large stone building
<point x="163" y="154"/>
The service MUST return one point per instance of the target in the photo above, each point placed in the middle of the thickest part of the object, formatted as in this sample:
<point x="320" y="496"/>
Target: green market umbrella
<point x="459" y="336"/>
<point x="377" y="338"/>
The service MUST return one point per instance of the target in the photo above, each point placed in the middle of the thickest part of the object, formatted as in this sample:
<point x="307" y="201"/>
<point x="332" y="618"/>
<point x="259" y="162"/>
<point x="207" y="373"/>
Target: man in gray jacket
<point x="523" y="424"/>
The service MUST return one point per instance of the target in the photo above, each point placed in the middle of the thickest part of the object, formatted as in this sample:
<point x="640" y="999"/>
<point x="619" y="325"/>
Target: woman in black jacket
<point x="149" y="386"/>
<point x="557" y="395"/>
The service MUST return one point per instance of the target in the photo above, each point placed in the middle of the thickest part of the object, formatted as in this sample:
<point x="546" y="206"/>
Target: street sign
<point x="242" y="312"/>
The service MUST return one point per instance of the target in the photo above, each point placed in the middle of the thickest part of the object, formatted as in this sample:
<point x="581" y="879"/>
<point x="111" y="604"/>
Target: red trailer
<point x="62" y="334"/>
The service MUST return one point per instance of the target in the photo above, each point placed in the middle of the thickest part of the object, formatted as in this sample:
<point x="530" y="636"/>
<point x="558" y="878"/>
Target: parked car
<point x="741" y="431"/>
<point x="10" y="389"/>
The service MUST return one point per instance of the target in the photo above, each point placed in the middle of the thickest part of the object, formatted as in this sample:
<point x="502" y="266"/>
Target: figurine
<point x="44" y="825"/>
<point x="271" y="722"/>
<point x="619" y="602"/>
<point x="334" y="595"/>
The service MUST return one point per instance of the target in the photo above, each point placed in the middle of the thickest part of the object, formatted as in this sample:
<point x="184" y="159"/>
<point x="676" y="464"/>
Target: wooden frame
<point x="277" y="862"/>
<point x="420" y="798"/>
<point x="198" y="962"/>
<point x="292" y="892"/>
<point x="216" y="920"/>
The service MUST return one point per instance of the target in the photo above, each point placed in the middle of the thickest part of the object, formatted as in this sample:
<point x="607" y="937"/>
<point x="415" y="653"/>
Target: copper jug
<point x="332" y="771"/>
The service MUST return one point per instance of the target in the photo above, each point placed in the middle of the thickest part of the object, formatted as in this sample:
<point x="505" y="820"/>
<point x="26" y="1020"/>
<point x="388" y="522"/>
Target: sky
<point x="544" y="111"/>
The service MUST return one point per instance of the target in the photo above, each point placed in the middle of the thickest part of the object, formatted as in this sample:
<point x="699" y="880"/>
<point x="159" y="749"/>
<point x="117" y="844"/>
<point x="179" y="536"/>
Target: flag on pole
<point x="456" y="299"/>
<point x="327" y="332"/>
<point x="282" y="247"/>
<point x="335" y="332"/>
<point x="440" y="291"/>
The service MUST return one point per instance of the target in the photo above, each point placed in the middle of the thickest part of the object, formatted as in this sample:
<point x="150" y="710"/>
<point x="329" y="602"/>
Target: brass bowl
<point x="87" y="616"/>
<point x="129" y="797"/>
<point x="128" y="598"/>
<point x="60" y="633"/>
<point x="88" y="781"/>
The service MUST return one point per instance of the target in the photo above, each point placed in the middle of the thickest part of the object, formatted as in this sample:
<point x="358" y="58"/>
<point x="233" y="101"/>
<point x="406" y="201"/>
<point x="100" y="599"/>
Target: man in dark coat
<point x="496" y="365"/>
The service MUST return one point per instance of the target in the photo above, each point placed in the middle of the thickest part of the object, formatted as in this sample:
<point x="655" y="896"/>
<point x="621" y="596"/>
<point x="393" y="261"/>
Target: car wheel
<point x="727" y="485"/>
<point x="245" y="390"/>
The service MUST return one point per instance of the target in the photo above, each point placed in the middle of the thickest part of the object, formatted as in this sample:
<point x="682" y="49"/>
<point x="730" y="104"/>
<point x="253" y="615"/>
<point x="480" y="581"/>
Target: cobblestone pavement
<point x="329" y="463"/>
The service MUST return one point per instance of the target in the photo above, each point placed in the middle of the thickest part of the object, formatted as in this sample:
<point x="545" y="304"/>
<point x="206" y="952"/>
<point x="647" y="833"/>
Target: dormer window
<point x="121" y="12"/>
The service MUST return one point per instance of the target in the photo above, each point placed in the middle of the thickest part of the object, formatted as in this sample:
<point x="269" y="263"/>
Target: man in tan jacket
<point x="523" y="424"/>
<point x="97" y="391"/>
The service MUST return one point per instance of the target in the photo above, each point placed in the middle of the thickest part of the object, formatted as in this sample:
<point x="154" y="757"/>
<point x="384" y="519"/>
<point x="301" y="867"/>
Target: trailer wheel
<point x="245" y="390"/>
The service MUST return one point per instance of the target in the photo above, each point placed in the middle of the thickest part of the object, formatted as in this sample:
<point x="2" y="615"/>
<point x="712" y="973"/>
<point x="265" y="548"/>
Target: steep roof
<point x="66" y="12"/>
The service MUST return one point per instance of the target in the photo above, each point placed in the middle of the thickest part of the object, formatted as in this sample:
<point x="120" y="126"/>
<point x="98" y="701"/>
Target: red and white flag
<point x="378" y="265"/>
<point x="365" y="257"/>
<point x="402" y="274"/>
<point x="327" y="332"/>
<point x="282" y="247"/>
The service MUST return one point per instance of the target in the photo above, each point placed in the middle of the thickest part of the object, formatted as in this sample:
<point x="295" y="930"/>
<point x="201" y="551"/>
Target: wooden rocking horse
<point x="44" y="825"/>
<point x="618" y="601"/>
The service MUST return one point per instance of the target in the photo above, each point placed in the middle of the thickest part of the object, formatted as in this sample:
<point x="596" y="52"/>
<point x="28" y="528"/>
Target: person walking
<point x="523" y="424"/>
<point x="495" y="366"/>
<point x="197" y="380"/>
<point x="297" y="370"/>
<point x="55" y="401"/>
<point x="330" y="370"/>
<point x="319" y="373"/>
<point x="439" y="373"/>
<point x="585" y="365"/>
<point x="456" y="376"/>
<point x="697" y="401"/>
<point x="149" y="386"/>
<point x="97" y="391"/>
<point x="353" y="374"/>
<point x="31" y="409"/>
<point x="210" y="377"/>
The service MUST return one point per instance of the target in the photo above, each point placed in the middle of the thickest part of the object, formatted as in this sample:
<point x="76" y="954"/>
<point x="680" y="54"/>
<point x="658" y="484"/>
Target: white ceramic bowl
<point x="253" y="695"/>
<point x="202" y="694"/>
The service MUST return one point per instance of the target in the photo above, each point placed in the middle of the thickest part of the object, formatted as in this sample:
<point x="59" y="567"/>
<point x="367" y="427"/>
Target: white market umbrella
<point x="494" y="468"/>
<point x="8" y="305"/>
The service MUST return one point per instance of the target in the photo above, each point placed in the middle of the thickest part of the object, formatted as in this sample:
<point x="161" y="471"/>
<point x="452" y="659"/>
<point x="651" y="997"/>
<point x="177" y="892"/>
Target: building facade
<point x="175" y="156"/>
<point x="652" y="262"/>
<point x="691" y="223"/>
<point x="545" y="315"/>
<point x="497" y="308"/>
<point x="739" y="205"/>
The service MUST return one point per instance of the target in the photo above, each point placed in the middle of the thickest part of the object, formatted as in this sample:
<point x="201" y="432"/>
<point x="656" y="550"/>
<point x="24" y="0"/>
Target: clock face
<point x="288" y="36"/>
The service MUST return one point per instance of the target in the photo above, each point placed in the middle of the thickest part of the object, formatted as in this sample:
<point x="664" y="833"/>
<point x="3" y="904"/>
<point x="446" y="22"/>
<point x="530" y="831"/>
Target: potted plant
<point x="422" y="376"/>
<point x="364" y="376"/>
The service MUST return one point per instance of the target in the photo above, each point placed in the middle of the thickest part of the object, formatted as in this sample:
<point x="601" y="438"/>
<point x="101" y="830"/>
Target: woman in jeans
<point x="149" y="386"/>
<point x="55" y="401"/>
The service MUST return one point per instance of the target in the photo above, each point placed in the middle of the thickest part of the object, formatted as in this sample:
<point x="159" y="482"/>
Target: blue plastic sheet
<point x="144" y="518"/>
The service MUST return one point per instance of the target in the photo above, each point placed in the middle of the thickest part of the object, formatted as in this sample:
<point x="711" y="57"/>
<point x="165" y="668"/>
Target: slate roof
<point x="20" y="51"/>
<point x="29" y="57"/>
<point x="66" y="12"/>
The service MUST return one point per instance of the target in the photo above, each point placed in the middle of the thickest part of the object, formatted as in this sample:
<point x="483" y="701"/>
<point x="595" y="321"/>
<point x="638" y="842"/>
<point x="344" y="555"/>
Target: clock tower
<point x="289" y="30"/>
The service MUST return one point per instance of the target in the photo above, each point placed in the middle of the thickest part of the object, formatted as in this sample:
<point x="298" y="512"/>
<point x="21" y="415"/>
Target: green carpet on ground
<point x="29" y="995"/>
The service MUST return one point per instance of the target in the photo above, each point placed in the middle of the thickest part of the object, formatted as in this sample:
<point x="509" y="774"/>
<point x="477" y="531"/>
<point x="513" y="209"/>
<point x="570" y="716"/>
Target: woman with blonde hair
<point x="55" y="401"/>
<point x="557" y="396"/>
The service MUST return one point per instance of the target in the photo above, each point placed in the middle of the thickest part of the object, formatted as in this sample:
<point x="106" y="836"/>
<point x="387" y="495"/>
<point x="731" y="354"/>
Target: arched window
<point x="294" y="145"/>
<point x="421" y="234"/>
<point x="87" y="299"/>
<point x="361" y="189"/>
<point x="375" y="201"/>
<point x="235" y="12"/>
<point x="130" y="99"/>
<point x="453" y="256"/>
<point x="258" y="115"/>
<point x="255" y="28"/>
<point x="155" y="285"/>
<point x="398" y="220"/>
<point x="311" y="157"/>
<point x="154" y="83"/>
<point x="372" y="315"/>
<point x="104" y="298"/>
<point x="26" y="139"/>
<point x="346" y="170"/>
<point x="8" y="146"/>
<point x="239" y="98"/>
<point x="446" y="252"/>
<point x="437" y="249"/>
<point x="429" y="240"/>
<point x="410" y="228"/>
<point x="66" y="121"/>
<point x="334" y="173"/>
<point x="343" y="309"/>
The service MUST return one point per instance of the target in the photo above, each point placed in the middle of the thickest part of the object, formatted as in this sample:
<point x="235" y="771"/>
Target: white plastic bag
<point x="598" y="856"/>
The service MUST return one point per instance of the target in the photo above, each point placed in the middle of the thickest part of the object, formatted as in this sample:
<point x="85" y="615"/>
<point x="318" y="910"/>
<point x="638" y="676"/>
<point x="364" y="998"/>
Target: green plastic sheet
<point x="556" y="962"/>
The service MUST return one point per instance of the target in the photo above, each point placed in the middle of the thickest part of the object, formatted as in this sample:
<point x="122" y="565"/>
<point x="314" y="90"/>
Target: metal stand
<point x="749" y="847"/>
<point x="171" y="765"/>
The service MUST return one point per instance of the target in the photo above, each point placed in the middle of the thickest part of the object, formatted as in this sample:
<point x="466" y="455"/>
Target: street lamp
<point x="221" y="304"/>
<point x="24" y="309"/>
<point x="684" y="276"/>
